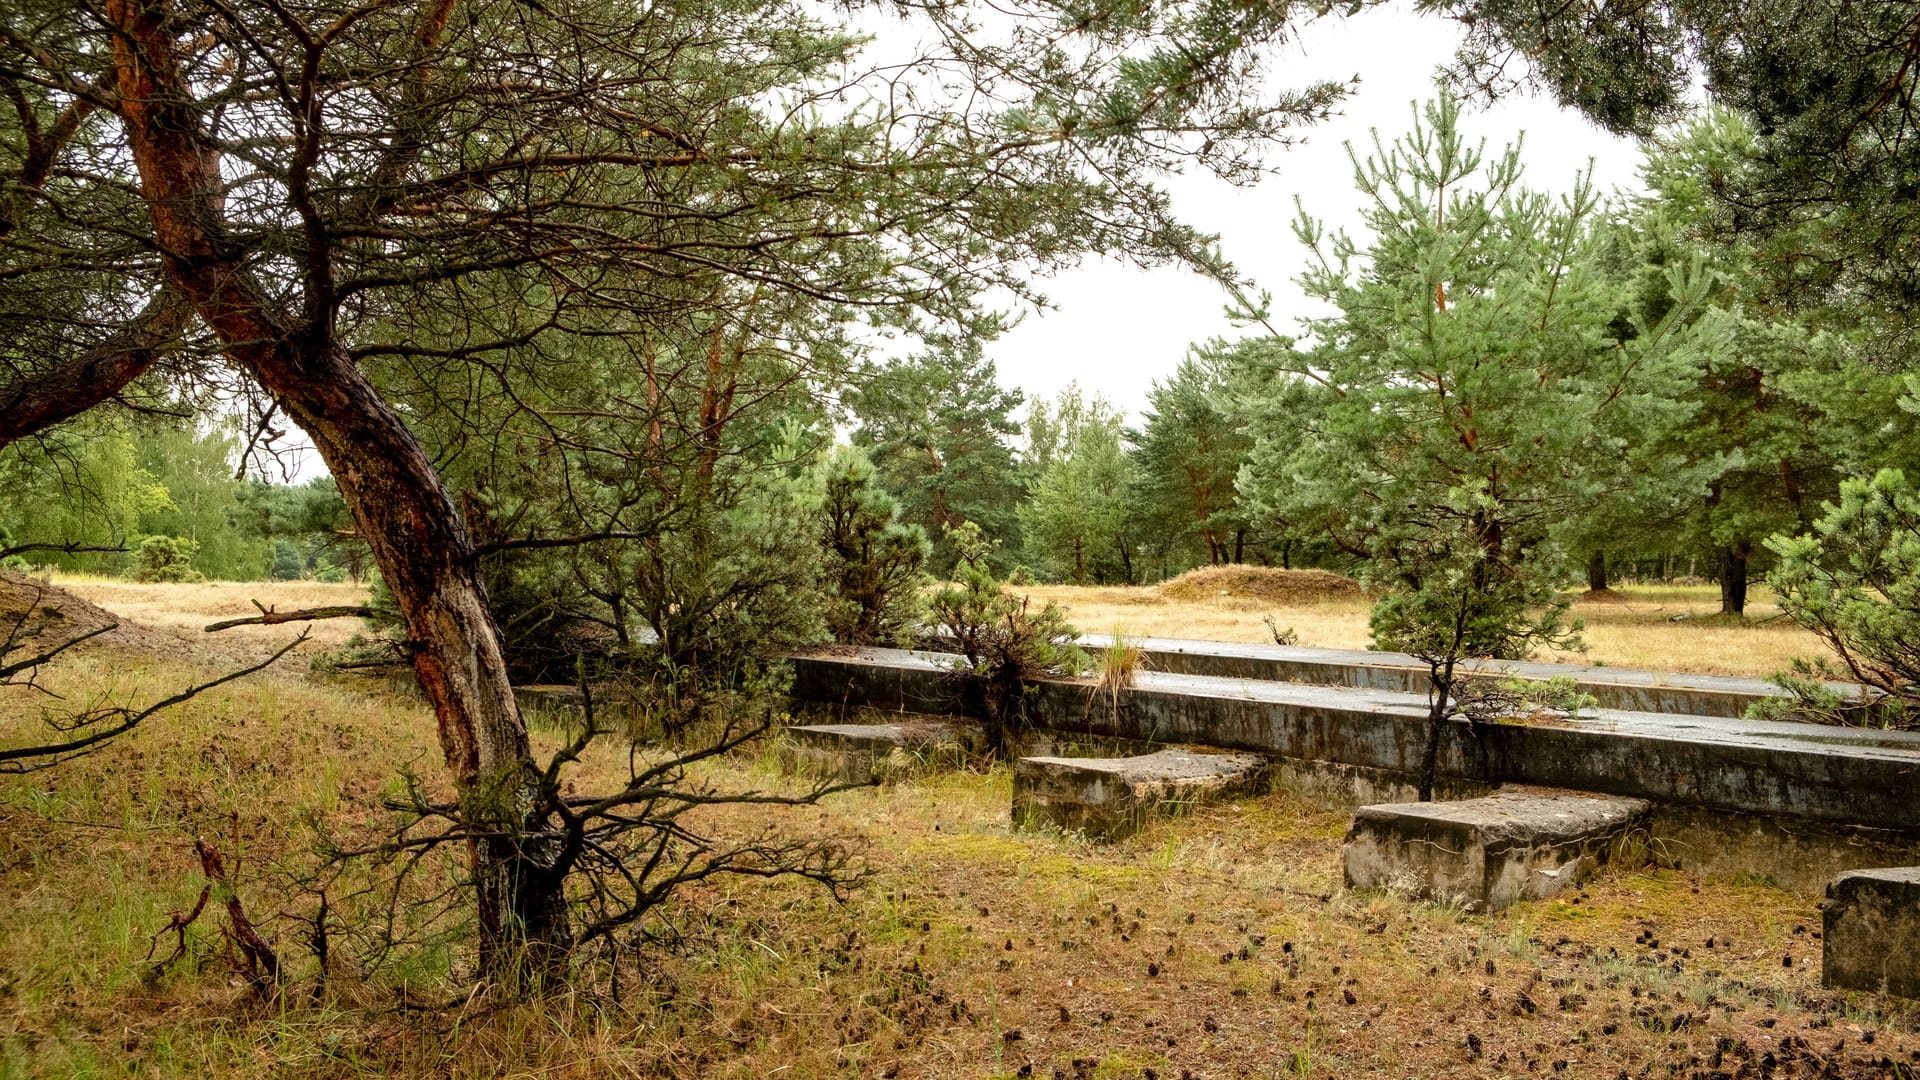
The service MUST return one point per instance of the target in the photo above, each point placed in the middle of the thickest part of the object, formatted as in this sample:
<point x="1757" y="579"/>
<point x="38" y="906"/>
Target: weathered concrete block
<point x="1845" y="776"/>
<point x="1489" y="852"/>
<point x="1795" y="802"/>
<point x="1789" y="853"/>
<point x="859" y="753"/>
<point x="1052" y="742"/>
<point x="1871" y="940"/>
<point x="1332" y="784"/>
<point x="1610" y="687"/>
<point x="1112" y="797"/>
<point x="896" y="680"/>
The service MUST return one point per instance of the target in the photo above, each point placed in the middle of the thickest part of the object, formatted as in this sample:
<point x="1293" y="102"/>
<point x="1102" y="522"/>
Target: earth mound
<point x="37" y="615"/>
<point x="1264" y="583"/>
<point x="1601" y="596"/>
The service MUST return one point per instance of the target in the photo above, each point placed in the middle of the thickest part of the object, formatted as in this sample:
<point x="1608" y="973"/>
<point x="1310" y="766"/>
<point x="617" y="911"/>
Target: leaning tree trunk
<point x="395" y="497"/>
<point x="427" y="559"/>
<point x="35" y="402"/>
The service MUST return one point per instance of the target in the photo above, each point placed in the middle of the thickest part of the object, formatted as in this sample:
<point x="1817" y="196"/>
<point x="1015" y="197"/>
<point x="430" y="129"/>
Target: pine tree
<point x="1188" y="456"/>
<point x="1832" y="95"/>
<point x="1779" y="409"/>
<point x="938" y="427"/>
<point x="873" y="566"/>
<point x="1475" y="384"/>
<point x="1077" y="517"/>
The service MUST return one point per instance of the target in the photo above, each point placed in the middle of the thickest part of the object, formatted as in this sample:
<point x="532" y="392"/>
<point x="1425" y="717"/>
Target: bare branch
<point x="22" y="759"/>
<point x="11" y="668"/>
<point x="531" y="542"/>
<point x="64" y="549"/>
<point x="269" y="617"/>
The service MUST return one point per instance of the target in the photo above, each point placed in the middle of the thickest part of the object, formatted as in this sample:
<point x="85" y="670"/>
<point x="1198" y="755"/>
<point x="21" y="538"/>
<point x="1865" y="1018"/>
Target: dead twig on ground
<point x="259" y="963"/>
<point x="252" y="956"/>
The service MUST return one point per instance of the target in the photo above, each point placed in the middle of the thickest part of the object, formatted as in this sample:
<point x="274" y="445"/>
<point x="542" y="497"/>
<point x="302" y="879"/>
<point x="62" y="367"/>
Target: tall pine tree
<point x="1476" y="379"/>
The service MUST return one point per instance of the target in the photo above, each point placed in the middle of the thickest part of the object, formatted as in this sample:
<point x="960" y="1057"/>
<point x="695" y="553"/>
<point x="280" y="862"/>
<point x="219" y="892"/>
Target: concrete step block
<point x="1489" y="852"/>
<point x="863" y="753"/>
<point x="1113" y="797"/>
<point x="1871" y="936"/>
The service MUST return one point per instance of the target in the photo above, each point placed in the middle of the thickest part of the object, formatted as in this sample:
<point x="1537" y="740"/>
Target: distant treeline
<point x="166" y="502"/>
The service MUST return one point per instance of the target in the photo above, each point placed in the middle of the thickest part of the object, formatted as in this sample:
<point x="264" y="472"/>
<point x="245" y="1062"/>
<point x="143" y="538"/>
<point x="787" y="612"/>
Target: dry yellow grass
<point x="1216" y="944"/>
<point x="185" y="609"/>
<point x="1638" y="633"/>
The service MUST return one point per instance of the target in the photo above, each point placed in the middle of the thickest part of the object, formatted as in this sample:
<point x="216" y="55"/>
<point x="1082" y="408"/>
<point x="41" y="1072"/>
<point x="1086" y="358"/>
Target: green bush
<point x="1855" y="583"/>
<point x="166" y="558"/>
<point x="1003" y="642"/>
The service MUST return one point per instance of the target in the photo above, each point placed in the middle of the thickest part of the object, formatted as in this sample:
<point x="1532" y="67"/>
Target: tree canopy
<point x="415" y="230"/>
<point x="1824" y="195"/>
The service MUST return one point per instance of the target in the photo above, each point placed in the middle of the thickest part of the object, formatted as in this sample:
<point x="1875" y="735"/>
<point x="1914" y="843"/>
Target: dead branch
<point x="10" y="668"/>
<point x="531" y="542"/>
<point x="63" y="549"/>
<point x="261" y="965"/>
<point x="269" y="617"/>
<point x="256" y="959"/>
<point x="177" y="923"/>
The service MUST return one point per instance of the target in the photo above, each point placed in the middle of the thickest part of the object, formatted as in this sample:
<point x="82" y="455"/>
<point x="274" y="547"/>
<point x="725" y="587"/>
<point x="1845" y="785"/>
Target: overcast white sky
<point x="1116" y="329"/>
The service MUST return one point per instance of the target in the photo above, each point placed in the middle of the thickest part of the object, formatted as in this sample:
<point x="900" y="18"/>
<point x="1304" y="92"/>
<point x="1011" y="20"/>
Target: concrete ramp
<point x="1490" y="852"/>
<point x="1113" y="797"/>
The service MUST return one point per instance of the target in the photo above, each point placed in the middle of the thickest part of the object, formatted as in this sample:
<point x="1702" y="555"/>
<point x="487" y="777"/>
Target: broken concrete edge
<point x="877" y="753"/>
<point x="1491" y="852"/>
<point x="1519" y="817"/>
<point x="887" y="748"/>
<point x="1870" y="933"/>
<point x="1110" y="798"/>
<point x="1837" y="775"/>
<point x="887" y="680"/>
<point x="1611" y="688"/>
